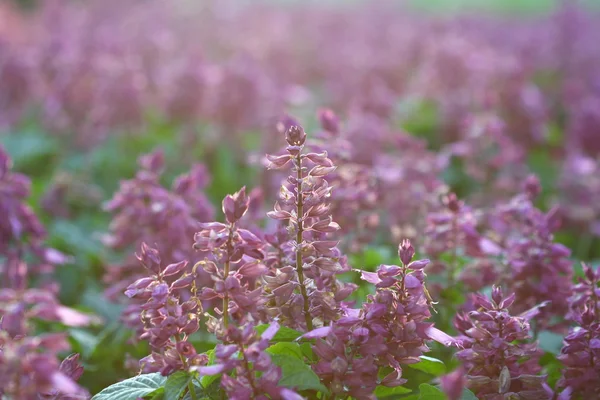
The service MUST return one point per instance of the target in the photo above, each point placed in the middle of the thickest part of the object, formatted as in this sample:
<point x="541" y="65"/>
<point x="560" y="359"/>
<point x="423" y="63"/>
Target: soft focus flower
<point x="254" y="373"/>
<point x="453" y="383"/>
<point x="539" y="269"/>
<point x="166" y="316"/>
<point x="389" y="330"/>
<point x="29" y="364"/>
<point x="499" y="360"/>
<point x="580" y="354"/>
<point x="146" y="212"/>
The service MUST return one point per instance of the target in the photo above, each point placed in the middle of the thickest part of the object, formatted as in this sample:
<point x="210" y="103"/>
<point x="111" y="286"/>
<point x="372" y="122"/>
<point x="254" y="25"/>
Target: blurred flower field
<point x="258" y="200"/>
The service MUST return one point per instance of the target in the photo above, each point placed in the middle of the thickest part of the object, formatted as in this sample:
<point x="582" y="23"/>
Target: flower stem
<point x="192" y="390"/>
<point x="300" y="231"/>
<point x="249" y="374"/>
<point x="453" y="266"/>
<point x="226" y="274"/>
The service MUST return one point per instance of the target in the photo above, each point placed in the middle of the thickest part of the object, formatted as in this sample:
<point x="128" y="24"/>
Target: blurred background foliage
<point x="46" y="157"/>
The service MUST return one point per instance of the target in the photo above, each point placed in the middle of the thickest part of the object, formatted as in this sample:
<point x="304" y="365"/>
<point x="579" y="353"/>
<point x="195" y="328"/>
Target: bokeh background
<point x="467" y="96"/>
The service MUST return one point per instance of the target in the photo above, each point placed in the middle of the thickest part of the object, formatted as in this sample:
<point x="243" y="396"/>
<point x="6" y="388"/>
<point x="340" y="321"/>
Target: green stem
<point x="299" y="239"/>
<point x="452" y="268"/>
<point x="192" y="390"/>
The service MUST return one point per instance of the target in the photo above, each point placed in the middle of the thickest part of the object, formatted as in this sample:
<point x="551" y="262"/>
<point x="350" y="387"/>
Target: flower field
<point x="254" y="200"/>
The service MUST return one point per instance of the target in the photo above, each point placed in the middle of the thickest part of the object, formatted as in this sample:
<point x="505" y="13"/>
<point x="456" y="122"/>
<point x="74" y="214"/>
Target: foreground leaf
<point x="284" y="334"/>
<point x="430" y="365"/>
<point x="207" y="380"/>
<point x="429" y="392"/>
<point x="296" y="374"/>
<point x="176" y="385"/>
<point x="290" y="349"/>
<point x="467" y="395"/>
<point x="132" y="388"/>
<point x="384" y="391"/>
<point x="550" y="342"/>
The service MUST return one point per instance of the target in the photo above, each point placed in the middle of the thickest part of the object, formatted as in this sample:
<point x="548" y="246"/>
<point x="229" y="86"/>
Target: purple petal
<point x="270" y="332"/>
<point x="316" y="333"/>
<point x="209" y="370"/>
<point x="440" y="337"/>
<point x="287" y="394"/>
<point x="370" y="277"/>
<point x="410" y="282"/>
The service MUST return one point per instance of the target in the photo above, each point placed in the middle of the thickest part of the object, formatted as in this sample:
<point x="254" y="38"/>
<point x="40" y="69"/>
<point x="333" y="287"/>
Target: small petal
<point x="316" y="333"/>
<point x="173" y="269"/>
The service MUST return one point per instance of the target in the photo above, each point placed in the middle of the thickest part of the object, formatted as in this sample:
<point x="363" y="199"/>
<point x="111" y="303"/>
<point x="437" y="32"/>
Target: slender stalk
<point x="299" y="233"/>
<point x="595" y="300"/>
<point x="248" y="372"/>
<point x="454" y="261"/>
<point x="226" y="273"/>
<point x="192" y="390"/>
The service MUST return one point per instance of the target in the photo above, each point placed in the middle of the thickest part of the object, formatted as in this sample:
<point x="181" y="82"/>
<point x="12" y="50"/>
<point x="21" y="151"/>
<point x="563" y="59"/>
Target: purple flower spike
<point x="496" y="354"/>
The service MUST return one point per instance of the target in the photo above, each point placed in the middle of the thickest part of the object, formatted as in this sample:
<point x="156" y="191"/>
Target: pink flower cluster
<point x="29" y="364"/>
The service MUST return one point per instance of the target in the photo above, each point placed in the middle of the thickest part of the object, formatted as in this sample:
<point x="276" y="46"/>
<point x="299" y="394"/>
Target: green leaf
<point x="85" y="341"/>
<point x="132" y="388"/>
<point x="176" y="385"/>
<point x="384" y="391"/>
<point x="467" y="395"/>
<point x="308" y="352"/>
<point x="284" y="334"/>
<point x="213" y="392"/>
<point x="429" y="392"/>
<point x="550" y="342"/>
<point x="284" y="348"/>
<point x="158" y="394"/>
<point x="207" y="380"/>
<point x="430" y="365"/>
<point x="296" y="374"/>
<point x="411" y="397"/>
<point x="32" y="152"/>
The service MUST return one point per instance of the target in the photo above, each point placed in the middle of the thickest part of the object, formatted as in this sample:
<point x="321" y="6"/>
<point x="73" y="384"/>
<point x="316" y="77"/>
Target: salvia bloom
<point x="491" y="157"/>
<point x="581" y="352"/>
<point x="453" y="383"/>
<point x="235" y="264"/>
<point x="452" y="230"/>
<point x="255" y="376"/>
<point x="500" y="363"/>
<point x="307" y="291"/>
<point x="167" y="318"/>
<point x="354" y="205"/>
<point x="29" y="366"/>
<point x="145" y="211"/>
<point x="539" y="270"/>
<point x="409" y="184"/>
<point x="20" y="230"/>
<point x="389" y="330"/>
<point x="580" y="186"/>
<point x="30" y="369"/>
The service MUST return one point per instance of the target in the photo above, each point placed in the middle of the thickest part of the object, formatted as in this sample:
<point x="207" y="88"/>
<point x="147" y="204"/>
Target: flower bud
<point x="173" y="269"/>
<point x="150" y="258"/>
<point x="406" y="252"/>
<point x="295" y="136"/>
<point x="186" y="349"/>
<point x="235" y="206"/>
<point x="329" y="121"/>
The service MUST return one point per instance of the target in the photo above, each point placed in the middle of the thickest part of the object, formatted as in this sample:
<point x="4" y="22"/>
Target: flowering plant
<point x="277" y="306"/>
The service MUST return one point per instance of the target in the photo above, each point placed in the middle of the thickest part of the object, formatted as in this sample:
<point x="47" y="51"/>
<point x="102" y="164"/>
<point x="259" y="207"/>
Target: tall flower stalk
<point x="499" y="358"/>
<point x="304" y="204"/>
